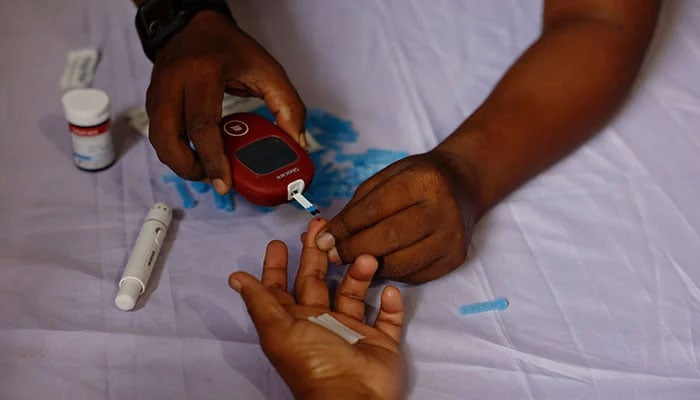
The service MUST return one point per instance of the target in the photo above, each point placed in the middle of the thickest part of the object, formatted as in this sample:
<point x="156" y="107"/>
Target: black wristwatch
<point x="159" y="20"/>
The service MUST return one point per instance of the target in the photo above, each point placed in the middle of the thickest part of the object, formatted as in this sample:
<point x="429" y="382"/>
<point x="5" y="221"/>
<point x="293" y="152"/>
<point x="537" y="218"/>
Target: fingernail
<point x="235" y="284"/>
<point x="334" y="257"/>
<point x="325" y="241"/>
<point x="302" y="140"/>
<point x="220" y="186"/>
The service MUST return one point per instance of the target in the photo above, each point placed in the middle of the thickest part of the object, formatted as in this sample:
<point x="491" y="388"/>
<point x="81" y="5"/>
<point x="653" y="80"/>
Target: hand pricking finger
<point x="310" y="285"/>
<point x="413" y="258"/>
<point x="390" y="317"/>
<point x="351" y="293"/>
<point x="383" y="201"/>
<point x="274" y="275"/>
<point x="401" y="230"/>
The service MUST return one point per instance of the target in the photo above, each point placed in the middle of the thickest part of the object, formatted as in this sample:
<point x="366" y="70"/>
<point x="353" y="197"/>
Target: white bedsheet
<point x="599" y="257"/>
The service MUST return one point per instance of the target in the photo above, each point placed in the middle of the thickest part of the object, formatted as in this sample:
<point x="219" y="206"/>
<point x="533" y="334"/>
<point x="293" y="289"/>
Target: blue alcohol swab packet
<point x="188" y="200"/>
<point x="223" y="202"/>
<point x="498" y="304"/>
<point x="200" y="187"/>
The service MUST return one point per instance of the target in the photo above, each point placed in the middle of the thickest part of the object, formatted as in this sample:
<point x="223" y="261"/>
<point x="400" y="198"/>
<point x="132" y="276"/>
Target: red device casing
<point x="264" y="159"/>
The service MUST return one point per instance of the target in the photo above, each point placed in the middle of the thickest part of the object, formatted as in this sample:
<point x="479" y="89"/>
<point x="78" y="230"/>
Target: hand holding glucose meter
<point x="269" y="168"/>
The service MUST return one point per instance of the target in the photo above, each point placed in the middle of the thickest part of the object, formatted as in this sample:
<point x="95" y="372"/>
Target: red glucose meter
<point x="269" y="168"/>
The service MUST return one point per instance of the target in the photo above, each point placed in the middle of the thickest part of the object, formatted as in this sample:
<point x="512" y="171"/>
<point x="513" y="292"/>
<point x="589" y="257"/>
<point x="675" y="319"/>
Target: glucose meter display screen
<point x="266" y="155"/>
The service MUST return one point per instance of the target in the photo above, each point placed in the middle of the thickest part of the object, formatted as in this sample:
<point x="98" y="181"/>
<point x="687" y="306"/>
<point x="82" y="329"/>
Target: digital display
<point x="266" y="155"/>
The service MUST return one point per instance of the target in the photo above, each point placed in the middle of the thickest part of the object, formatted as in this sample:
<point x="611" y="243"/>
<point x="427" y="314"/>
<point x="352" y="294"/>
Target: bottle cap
<point x="86" y="107"/>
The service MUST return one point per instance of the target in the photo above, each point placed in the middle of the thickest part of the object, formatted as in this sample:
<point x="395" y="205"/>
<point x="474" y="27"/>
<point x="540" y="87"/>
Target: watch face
<point x="157" y="14"/>
<point x="266" y="155"/>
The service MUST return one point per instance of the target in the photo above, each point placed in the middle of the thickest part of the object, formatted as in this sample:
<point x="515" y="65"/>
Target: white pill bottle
<point x="88" y="115"/>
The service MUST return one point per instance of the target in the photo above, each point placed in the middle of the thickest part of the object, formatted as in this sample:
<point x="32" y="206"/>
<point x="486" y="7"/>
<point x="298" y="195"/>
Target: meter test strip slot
<point x="294" y="190"/>
<point x="144" y="255"/>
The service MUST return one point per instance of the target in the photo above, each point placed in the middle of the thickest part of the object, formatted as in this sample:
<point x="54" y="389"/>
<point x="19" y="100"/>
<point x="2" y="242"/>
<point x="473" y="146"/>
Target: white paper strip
<point x="327" y="321"/>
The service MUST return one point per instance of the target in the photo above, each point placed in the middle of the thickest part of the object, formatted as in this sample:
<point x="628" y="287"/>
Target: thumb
<point x="269" y="317"/>
<point x="284" y="102"/>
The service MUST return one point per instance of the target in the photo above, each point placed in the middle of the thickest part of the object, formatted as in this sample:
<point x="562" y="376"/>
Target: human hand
<point x="192" y="71"/>
<point x="313" y="361"/>
<point x="416" y="216"/>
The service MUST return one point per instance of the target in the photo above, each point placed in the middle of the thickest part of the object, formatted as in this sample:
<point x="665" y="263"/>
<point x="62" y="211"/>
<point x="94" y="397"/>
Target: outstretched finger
<point x="274" y="275"/>
<point x="351" y="293"/>
<point x="310" y="285"/>
<point x="390" y="318"/>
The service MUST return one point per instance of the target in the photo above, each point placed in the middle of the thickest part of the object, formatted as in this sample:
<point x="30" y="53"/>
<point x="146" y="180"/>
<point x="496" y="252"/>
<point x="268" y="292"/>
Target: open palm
<point x="313" y="361"/>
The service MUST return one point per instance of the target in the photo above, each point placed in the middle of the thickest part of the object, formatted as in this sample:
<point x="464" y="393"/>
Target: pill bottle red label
<point x="88" y="115"/>
<point x="92" y="146"/>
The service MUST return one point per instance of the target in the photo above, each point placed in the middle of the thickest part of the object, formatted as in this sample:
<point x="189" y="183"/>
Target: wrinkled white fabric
<point x="599" y="256"/>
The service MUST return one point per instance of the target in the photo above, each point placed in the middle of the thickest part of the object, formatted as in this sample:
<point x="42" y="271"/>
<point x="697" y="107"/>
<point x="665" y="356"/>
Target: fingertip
<point x="222" y="173"/>
<point x="363" y="269"/>
<point x="242" y="277"/>
<point x="244" y="283"/>
<point x="367" y="259"/>
<point x="325" y="240"/>
<point x="334" y="256"/>
<point x="276" y="244"/>
<point x="316" y="236"/>
<point x="234" y="283"/>
<point x="220" y="186"/>
<point x="391" y="313"/>
<point x="391" y="301"/>
<point x="366" y="264"/>
<point x="302" y="140"/>
<point x="317" y="224"/>
<point x="392" y="291"/>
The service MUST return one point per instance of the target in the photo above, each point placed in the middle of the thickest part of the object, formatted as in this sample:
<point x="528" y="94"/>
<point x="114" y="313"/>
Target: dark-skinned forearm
<point x="555" y="96"/>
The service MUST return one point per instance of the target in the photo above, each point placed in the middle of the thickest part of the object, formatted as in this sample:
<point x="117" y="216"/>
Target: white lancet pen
<point x="143" y="256"/>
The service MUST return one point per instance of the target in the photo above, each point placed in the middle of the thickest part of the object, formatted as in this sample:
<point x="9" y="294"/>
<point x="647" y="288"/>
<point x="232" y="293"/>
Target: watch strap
<point x="157" y="21"/>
